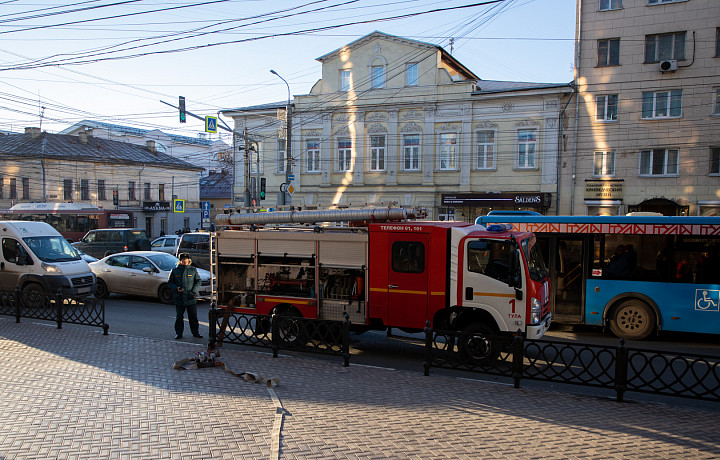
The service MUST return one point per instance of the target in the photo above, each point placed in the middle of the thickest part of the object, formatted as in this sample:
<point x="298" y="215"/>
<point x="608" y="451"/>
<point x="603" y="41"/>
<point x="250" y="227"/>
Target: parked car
<point x="105" y="241"/>
<point x="197" y="244"/>
<point x="142" y="273"/>
<point x="86" y="257"/>
<point x="167" y="244"/>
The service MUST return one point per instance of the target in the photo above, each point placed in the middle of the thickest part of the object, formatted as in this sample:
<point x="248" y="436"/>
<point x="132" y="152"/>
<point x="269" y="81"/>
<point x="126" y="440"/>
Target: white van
<point x="35" y="257"/>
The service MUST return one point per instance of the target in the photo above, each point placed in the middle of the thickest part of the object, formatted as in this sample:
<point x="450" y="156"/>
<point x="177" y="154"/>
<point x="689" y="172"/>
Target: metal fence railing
<point x="58" y="308"/>
<point x="280" y="332"/>
<point x="618" y="368"/>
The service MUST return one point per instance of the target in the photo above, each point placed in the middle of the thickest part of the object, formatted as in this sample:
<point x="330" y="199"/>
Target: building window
<point x="664" y="46"/>
<point x="281" y="160"/>
<point x="485" y="150"/>
<point x="716" y="101"/>
<point x="662" y="104"/>
<point x="378" y="76"/>
<point x="659" y="162"/>
<point x="717" y="42"/>
<point x="714" y="161"/>
<point x="344" y="154"/>
<point x="101" y="190"/>
<point x="256" y="158"/>
<point x="313" y="155"/>
<point x="13" y="189"/>
<point x="2" y="186"/>
<point x="344" y="80"/>
<point x="131" y="190"/>
<point x="527" y="148"/>
<point x="67" y="190"/>
<point x="658" y="2"/>
<point x="84" y="190"/>
<point x="412" y="74"/>
<point x="606" y="107"/>
<point x="25" y="188"/>
<point x="448" y="151"/>
<point x="161" y="192"/>
<point x="606" y="5"/>
<point x="411" y="152"/>
<point x="604" y="164"/>
<point x="377" y="153"/>
<point x="608" y="53"/>
<point x="147" y="192"/>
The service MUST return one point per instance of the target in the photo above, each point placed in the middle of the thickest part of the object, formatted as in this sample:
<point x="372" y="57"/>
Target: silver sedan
<point x="142" y="273"/>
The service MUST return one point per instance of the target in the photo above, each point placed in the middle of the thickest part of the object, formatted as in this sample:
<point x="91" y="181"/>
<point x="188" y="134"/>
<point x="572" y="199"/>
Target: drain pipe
<point x="558" y="176"/>
<point x="577" y="104"/>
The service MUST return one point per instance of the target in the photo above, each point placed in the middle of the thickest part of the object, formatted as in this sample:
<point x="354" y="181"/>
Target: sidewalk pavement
<point x="74" y="393"/>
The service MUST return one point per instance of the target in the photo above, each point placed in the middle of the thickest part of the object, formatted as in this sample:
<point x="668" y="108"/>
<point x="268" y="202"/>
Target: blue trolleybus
<point x="636" y="274"/>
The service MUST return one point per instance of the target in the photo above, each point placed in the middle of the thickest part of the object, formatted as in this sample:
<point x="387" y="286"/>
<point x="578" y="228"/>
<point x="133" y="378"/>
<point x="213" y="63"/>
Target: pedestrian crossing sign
<point x="210" y="124"/>
<point x="178" y="205"/>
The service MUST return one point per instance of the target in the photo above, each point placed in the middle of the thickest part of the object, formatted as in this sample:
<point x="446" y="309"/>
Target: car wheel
<point x="101" y="289"/>
<point x="33" y="288"/>
<point x="165" y="294"/>
<point x="478" y="344"/>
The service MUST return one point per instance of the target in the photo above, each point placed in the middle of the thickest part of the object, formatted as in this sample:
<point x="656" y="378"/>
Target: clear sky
<point x="114" y="60"/>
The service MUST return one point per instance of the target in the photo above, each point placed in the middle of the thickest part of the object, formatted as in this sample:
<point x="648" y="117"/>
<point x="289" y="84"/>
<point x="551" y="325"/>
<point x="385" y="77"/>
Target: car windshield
<point x="52" y="248"/>
<point x="164" y="261"/>
<point x="136" y="235"/>
<point x="536" y="264"/>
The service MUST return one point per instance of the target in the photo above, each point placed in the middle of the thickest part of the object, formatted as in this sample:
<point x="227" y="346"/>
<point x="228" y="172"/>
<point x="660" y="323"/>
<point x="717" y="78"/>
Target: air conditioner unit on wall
<point x="668" y="66"/>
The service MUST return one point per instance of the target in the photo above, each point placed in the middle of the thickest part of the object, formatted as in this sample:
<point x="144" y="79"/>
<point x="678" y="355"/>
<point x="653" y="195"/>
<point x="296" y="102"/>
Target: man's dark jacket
<point x="186" y="277"/>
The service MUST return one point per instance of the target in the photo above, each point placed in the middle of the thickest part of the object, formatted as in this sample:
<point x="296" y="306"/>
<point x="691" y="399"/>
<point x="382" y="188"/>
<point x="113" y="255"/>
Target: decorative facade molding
<point x="448" y="127"/>
<point x="412" y="115"/>
<point x="342" y="131"/>
<point x="377" y="128"/>
<point x="486" y="124"/>
<point x="411" y="127"/>
<point x="550" y="122"/>
<point x="454" y="112"/>
<point x="311" y="133"/>
<point x="507" y="107"/>
<point x="551" y="105"/>
<point x="377" y="48"/>
<point x="376" y="116"/>
<point x="345" y="118"/>
<point x="527" y="122"/>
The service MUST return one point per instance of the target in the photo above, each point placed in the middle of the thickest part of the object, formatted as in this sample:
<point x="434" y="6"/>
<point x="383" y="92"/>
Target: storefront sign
<point x="153" y="206"/>
<point x="489" y="200"/>
<point x="604" y="189"/>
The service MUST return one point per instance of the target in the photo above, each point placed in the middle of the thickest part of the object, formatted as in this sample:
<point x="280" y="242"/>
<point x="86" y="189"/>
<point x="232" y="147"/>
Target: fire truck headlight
<point x="51" y="268"/>
<point x="535" y="311"/>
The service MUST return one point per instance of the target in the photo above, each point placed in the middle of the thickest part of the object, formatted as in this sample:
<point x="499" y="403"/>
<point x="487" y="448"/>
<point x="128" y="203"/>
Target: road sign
<point x="178" y="205"/>
<point x="290" y="189"/>
<point x="206" y="210"/>
<point x="291" y="177"/>
<point x="210" y="124"/>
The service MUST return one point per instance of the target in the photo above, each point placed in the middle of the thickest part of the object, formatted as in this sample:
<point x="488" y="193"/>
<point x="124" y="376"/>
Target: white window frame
<point x="448" y="152"/>
<point x="675" y="48"/>
<point x="714" y="162"/>
<point x="602" y="108"/>
<point x="281" y="160"/>
<point x="659" y="98"/>
<point x="610" y="5"/>
<point x="345" y="80"/>
<point x="377" y="80"/>
<point x="604" y="163"/>
<point x="411" y="72"/>
<point x="344" y="156"/>
<point x="481" y="162"/>
<point x="651" y="154"/>
<point x="253" y="158"/>
<point x="378" y="158"/>
<point x="716" y="101"/>
<point x="608" y="54"/>
<point x="410" y="151"/>
<point x="662" y="2"/>
<point x="527" y="164"/>
<point x="312" y="156"/>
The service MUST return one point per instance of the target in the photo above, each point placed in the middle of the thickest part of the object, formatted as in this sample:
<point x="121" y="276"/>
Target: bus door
<point x="408" y="279"/>
<point x="566" y="267"/>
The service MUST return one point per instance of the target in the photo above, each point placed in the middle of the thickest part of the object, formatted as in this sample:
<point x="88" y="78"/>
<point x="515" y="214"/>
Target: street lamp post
<point x="286" y="198"/>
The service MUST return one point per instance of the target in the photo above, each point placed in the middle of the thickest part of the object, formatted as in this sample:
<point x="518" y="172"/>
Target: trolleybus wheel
<point x="633" y="320"/>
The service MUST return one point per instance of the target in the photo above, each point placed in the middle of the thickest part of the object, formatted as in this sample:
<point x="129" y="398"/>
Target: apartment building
<point x="648" y="109"/>
<point x="400" y="121"/>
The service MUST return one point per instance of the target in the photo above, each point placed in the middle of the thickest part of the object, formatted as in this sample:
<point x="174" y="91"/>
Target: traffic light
<point x="115" y="197"/>
<point x="262" y="188"/>
<point x="181" y="106"/>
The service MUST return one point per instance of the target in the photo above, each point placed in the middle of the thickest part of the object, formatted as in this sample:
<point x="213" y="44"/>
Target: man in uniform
<point x="185" y="282"/>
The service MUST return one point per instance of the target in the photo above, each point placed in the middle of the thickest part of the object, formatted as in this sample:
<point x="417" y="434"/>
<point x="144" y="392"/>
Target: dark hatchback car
<point x="196" y="244"/>
<point x="105" y="241"/>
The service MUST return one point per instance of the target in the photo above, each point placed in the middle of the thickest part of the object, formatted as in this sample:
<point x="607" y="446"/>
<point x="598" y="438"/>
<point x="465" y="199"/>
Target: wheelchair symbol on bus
<point x="707" y="300"/>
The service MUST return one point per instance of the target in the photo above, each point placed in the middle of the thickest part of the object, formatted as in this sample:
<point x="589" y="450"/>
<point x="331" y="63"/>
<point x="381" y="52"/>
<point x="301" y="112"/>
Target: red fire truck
<point x="384" y="269"/>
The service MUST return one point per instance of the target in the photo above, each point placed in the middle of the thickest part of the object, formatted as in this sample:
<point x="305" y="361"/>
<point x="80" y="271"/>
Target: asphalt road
<point x="399" y="350"/>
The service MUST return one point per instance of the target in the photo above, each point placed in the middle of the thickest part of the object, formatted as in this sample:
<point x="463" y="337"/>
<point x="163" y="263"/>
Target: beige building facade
<point x="648" y="109"/>
<point x="398" y="121"/>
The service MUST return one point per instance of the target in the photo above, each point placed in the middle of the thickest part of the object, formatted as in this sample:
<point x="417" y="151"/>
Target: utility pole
<point x="286" y="198"/>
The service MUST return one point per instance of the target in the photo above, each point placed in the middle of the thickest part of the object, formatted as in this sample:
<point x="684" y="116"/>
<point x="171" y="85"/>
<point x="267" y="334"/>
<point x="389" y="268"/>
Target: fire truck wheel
<point x="632" y="320"/>
<point x="290" y="330"/>
<point x="101" y="289"/>
<point x="477" y="344"/>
